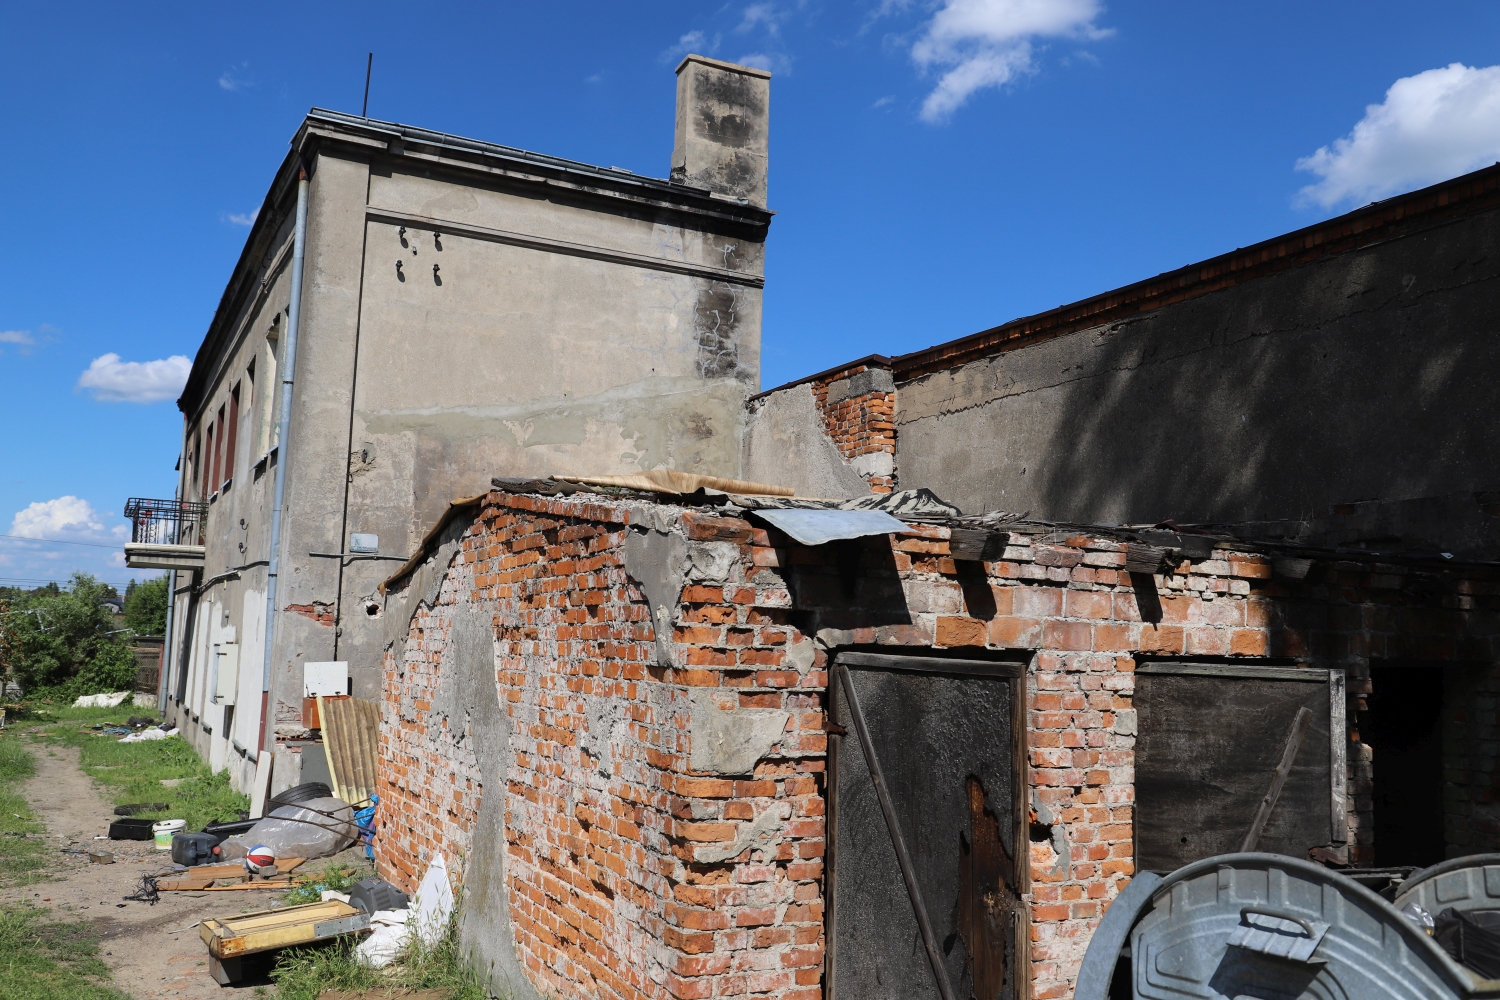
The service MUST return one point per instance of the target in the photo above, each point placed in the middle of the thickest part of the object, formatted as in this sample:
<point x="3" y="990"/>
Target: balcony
<point x="165" y="534"/>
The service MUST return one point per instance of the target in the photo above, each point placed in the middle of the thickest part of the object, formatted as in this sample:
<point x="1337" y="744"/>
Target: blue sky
<point x="938" y="167"/>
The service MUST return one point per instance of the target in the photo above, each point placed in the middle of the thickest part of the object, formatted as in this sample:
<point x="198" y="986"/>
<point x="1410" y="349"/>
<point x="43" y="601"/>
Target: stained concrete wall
<point x="576" y="321"/>
<point x="1369" y="375"/>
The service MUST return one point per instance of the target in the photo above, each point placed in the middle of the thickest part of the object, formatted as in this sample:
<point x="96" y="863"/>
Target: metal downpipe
<point x="283" y="442"/>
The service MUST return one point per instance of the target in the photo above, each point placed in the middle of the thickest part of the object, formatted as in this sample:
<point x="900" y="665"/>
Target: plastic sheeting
<point x="312" y="829"/>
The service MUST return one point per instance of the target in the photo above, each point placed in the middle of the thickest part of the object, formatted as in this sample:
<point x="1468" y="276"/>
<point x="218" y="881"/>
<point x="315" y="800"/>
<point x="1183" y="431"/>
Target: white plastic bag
<point x="101" y="700"/>
<point x="426" y="917"/>
<point x="389" y="932"/>
<point x="148" y="734"/>
<point x="313" y="829"/>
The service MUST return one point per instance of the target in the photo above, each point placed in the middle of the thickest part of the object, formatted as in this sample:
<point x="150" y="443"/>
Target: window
<point x="208" y="447"/>
<point x="266" y="431"/>
<point x="193" y="454"/>
<point x="218" y="450"/>
<point x="231" y="433"/>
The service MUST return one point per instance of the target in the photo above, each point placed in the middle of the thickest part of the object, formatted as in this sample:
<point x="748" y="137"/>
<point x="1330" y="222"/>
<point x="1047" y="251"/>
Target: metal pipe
<point x="283" y="446"/>
<point x="164" y="665"/>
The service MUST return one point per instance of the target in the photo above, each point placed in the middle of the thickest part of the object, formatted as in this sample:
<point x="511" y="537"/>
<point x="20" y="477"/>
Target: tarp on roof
<point x="814" y="527"/>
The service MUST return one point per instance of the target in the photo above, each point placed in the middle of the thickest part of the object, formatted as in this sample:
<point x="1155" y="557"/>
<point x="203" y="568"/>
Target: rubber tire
<point x="305" y="792"/>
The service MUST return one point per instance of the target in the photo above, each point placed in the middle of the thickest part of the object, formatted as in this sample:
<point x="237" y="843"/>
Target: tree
<point x="146" y="607"/>
<point x="66" y="638"/>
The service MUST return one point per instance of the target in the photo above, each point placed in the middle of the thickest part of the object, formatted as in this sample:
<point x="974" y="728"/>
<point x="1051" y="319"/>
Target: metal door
<point x="928" y="850"/>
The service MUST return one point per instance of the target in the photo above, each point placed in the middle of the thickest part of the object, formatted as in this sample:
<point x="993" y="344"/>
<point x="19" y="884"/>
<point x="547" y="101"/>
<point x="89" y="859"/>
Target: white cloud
<point x="988" y="43"/>
<point x="232" y="79"/>
<point x="67" y="515"/>
<point x="242" y="218"/>
<point x="693" y="41"/>
<point x="770" y="62"/>
<point x="762" y="15"/>
<point x="1431" y="126"/>
<point x="22" y="339"/>
<point x="111" y="380"/>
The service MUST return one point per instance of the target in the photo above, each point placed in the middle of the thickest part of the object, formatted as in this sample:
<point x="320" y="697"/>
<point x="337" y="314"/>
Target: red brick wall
<point x="608" y="894"/>
<point x="429" y="778"/>
<point x="860" y="425"/>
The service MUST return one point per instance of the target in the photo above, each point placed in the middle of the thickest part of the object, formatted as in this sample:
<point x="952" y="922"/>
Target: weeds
<point x="23" y="849"/>
<point x="338" y="876"/>
<point x="44" y="959"/>
<point x="304" y="973"/>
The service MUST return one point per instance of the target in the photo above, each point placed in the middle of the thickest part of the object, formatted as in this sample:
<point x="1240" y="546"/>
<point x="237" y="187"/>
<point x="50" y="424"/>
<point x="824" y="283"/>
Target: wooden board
<point x="264" y="930"/>
<point x="243" y="886"/>
<point x="1207" y="749"/>
<point x="184" y="884"/>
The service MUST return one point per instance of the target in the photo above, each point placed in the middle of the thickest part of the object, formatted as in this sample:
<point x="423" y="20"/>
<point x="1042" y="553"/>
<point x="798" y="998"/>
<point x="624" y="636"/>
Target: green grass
<point x="133" y="772"/>
<point x="304" y="973"/>
<point x="335" y="875"/>
<point x="23" y="851"/>
<point x="44" y="959"/>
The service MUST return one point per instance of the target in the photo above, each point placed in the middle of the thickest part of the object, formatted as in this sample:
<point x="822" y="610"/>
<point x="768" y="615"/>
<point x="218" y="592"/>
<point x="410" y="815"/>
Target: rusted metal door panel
<point x="1210" y="741"/>
<point x="945" y="745"/>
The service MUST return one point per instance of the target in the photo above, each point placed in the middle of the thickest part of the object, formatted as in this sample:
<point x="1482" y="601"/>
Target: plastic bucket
<point x="162" y="832"/>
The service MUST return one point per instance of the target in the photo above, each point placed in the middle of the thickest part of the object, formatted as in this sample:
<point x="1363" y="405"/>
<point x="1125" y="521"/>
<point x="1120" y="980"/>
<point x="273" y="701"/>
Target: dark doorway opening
<point x="1404" y="727"/>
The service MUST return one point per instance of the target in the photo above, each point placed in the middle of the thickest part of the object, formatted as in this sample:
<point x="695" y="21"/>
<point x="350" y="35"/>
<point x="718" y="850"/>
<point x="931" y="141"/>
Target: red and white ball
<point x="259" y="859"/>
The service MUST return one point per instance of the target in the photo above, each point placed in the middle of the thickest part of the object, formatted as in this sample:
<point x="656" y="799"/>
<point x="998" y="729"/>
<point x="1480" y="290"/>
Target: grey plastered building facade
<point x="466" y="307"/>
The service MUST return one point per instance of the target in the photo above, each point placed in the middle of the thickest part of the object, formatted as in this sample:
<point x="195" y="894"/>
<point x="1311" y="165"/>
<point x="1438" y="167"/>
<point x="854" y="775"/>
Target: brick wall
<point x="428" y="779"/>
<point x="619" y="880"/>
<point x="862" y="422"/>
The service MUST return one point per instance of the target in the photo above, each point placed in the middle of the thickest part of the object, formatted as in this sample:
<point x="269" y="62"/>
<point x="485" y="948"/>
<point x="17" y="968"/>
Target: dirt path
<point x="154" y="951"/>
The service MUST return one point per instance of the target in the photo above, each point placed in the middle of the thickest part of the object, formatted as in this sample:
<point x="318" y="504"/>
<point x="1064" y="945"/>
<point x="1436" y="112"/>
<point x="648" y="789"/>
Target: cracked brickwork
<point x="860" y="425"/>
<point x="632" y="875"/>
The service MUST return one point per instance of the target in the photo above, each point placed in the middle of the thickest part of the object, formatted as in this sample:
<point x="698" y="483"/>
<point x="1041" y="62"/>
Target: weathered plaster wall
<point x="1368" y="375"/>
<point x="829" y="437"/>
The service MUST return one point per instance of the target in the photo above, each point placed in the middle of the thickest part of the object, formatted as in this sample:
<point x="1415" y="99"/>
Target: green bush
<point x="146" y="607"/>
<point x="65" y="639"/>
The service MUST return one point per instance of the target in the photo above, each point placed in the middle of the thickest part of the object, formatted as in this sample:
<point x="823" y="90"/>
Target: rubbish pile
<point x="374" y="908"/>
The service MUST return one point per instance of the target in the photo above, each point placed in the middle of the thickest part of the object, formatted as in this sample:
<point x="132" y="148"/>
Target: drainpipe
<point x="164" y="665"/>
<point x="283" y="443"/>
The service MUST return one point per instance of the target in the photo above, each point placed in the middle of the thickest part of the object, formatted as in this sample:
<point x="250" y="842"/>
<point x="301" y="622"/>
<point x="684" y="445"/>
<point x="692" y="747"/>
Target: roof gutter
<point x="283" y="447"/>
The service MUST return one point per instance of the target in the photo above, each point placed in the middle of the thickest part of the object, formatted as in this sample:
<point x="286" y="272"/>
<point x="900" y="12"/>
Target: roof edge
<point x="1437" y="203"/>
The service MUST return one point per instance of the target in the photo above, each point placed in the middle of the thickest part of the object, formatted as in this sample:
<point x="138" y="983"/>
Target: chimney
<point x="723" y="123"/>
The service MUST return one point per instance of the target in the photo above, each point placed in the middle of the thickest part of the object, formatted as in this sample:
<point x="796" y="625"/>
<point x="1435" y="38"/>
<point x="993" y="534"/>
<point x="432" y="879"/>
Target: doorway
<point x="1404" y="726"/>
<point x="927" y="829"/>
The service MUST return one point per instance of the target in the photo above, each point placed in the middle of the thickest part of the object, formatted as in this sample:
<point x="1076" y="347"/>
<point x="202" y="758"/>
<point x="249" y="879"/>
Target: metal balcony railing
<point x="166" y="522"/>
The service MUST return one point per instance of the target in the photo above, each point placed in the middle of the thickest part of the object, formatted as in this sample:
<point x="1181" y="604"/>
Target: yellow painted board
<point x="269" y="929"/>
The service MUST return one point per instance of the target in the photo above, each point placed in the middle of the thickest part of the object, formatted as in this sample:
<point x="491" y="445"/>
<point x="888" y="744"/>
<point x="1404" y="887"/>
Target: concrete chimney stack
<point x="723" y="127"/>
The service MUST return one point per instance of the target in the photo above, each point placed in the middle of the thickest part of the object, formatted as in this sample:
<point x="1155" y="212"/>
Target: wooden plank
<point x="967" y="543"/>
<point x="1338" y="771"/>
<point x="184" y="884"/>
<point x="934" y="665"/>
<point x="244" y="886"/>
<point x="1234" y="670"/>
<point x="1278" y="779"/>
